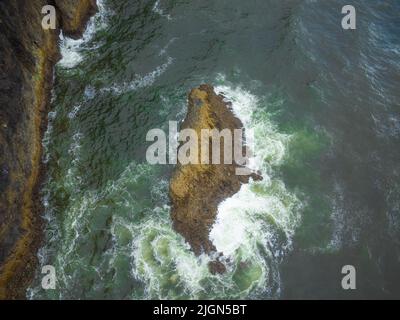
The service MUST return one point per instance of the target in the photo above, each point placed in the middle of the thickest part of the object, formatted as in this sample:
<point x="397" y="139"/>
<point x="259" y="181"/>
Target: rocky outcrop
<point x="74" y="15"/>
<point x="27" y="57"/>
<point x="196" y="190"/>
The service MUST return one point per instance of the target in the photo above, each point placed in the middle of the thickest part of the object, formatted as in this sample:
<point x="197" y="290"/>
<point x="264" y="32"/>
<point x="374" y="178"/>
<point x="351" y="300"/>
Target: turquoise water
<point x="326" y="131"/>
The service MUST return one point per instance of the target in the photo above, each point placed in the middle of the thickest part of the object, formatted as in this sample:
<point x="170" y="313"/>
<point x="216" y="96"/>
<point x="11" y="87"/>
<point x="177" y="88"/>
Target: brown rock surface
<point x="27" y="57"/>
<point x="74" y="15"/>
<point x="196" y="190"/>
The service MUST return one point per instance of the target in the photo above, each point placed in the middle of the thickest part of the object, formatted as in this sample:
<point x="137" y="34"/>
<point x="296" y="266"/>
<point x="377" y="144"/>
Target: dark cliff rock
<point x="196" y="190"/>
<point x="27" y="57"/>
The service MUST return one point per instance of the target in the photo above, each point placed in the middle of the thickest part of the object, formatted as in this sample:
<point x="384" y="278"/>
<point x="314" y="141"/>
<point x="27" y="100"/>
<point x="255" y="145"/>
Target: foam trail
<point x="140" y="81"/>
<point x="158" y="10"/>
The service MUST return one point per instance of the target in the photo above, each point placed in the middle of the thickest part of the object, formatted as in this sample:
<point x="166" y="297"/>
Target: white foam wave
<point x="251" y="217"/>
<point x="71" y="49"/>
<point x="158" y="10"/>
<point x="72" y="114"/>
<point x="139" y="81"/>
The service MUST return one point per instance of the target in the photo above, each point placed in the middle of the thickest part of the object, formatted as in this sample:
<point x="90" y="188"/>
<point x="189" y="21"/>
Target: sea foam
<point x="71" y="50"/>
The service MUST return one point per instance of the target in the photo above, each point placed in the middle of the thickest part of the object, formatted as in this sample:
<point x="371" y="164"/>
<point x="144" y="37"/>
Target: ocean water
<point x="324" y="106"/>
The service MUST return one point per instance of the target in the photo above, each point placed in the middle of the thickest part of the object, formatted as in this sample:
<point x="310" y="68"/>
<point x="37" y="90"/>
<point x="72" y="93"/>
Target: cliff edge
<point x="27" y="58"/>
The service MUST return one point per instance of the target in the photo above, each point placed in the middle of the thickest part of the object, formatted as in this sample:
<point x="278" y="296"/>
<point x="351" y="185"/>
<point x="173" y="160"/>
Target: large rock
<point x="196" y="190"/>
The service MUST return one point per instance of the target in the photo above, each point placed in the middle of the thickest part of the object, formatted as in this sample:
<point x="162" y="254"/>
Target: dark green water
<point x="324" y="104"/>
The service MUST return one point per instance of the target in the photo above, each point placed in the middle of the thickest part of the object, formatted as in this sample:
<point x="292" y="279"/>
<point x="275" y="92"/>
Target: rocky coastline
<point x="27" y="58"/>
<point x="27" y="61"/>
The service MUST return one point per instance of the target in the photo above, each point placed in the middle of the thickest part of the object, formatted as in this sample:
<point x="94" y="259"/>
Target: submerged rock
<point x="196" y="190"/>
